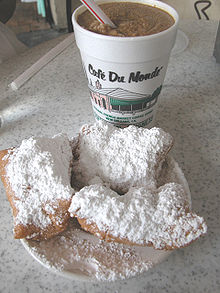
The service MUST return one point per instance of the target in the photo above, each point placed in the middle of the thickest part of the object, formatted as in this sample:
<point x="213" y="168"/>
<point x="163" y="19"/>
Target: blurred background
<point x="34" y="22"/>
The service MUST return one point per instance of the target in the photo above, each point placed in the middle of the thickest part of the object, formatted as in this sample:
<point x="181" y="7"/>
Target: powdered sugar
<point x="122" y="157"/>
<point x="39" y="174"/>
<point x="113" y="161"/>
<point x="153" y="210"/>
<point x="81" y="254"/>
<point x="142" y="215"/>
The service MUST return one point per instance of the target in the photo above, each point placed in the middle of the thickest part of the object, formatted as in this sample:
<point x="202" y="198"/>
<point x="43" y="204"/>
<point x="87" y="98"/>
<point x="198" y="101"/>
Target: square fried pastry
<point x="120" y="198"/>
<point x="160" y="218"/>
<point x="36" y="176"/>
<point x="121" y="157"/>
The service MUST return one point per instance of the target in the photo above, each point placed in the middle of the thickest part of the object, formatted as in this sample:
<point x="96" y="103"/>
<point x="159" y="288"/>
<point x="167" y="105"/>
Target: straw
<point x="98" y="12"/>
<point x="25" y="76"/>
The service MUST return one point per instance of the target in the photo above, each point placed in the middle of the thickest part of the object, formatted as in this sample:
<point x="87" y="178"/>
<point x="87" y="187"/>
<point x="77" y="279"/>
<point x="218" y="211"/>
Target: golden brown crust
<point x="32" y="231"/>
<point x="9" y="192"/>
<point x="103" y="235"/>
<point x="108" y="237"/>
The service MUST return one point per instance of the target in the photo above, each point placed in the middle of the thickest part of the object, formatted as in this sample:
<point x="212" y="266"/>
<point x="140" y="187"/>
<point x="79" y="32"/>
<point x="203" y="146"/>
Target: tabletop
<point x="56" y="100"/>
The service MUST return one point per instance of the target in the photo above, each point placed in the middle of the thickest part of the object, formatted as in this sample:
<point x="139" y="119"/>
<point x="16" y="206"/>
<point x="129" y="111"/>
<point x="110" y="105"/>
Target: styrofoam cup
<point x="125" y="74"/>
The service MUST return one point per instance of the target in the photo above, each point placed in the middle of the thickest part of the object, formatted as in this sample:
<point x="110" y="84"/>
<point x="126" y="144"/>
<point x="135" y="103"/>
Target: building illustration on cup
<point x="120" y="106"/>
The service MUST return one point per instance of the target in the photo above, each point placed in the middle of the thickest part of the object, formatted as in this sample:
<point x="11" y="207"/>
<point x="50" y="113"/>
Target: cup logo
<point x="112" y="76"/>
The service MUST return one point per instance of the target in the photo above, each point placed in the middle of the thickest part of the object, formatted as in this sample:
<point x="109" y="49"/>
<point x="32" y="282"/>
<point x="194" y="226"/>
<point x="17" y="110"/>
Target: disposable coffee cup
<point x="125" y="74"/>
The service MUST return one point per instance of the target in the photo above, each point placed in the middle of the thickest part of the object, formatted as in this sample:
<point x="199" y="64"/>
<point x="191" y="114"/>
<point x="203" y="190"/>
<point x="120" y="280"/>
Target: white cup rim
<point x="154" y="3"/>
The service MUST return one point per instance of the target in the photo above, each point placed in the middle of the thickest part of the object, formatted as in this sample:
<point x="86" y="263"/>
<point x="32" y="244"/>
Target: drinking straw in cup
<point x="98" y="12"/>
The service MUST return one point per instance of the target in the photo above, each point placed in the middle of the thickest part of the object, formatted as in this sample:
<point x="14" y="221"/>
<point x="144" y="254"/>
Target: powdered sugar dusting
<point x="39" y="174"/>
<point x="122" y="157"/>
<point x="79" y="253"/>
<point x="113" y="161"/>
<point x="159" y="217"/>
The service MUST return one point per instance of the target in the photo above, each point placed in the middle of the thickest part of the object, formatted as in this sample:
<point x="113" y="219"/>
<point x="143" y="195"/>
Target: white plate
<point x="79" y="255"/>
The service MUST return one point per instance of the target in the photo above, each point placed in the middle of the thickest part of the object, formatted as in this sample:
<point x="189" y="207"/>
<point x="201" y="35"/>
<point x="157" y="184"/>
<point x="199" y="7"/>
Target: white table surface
<point x="57" y="100"/>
